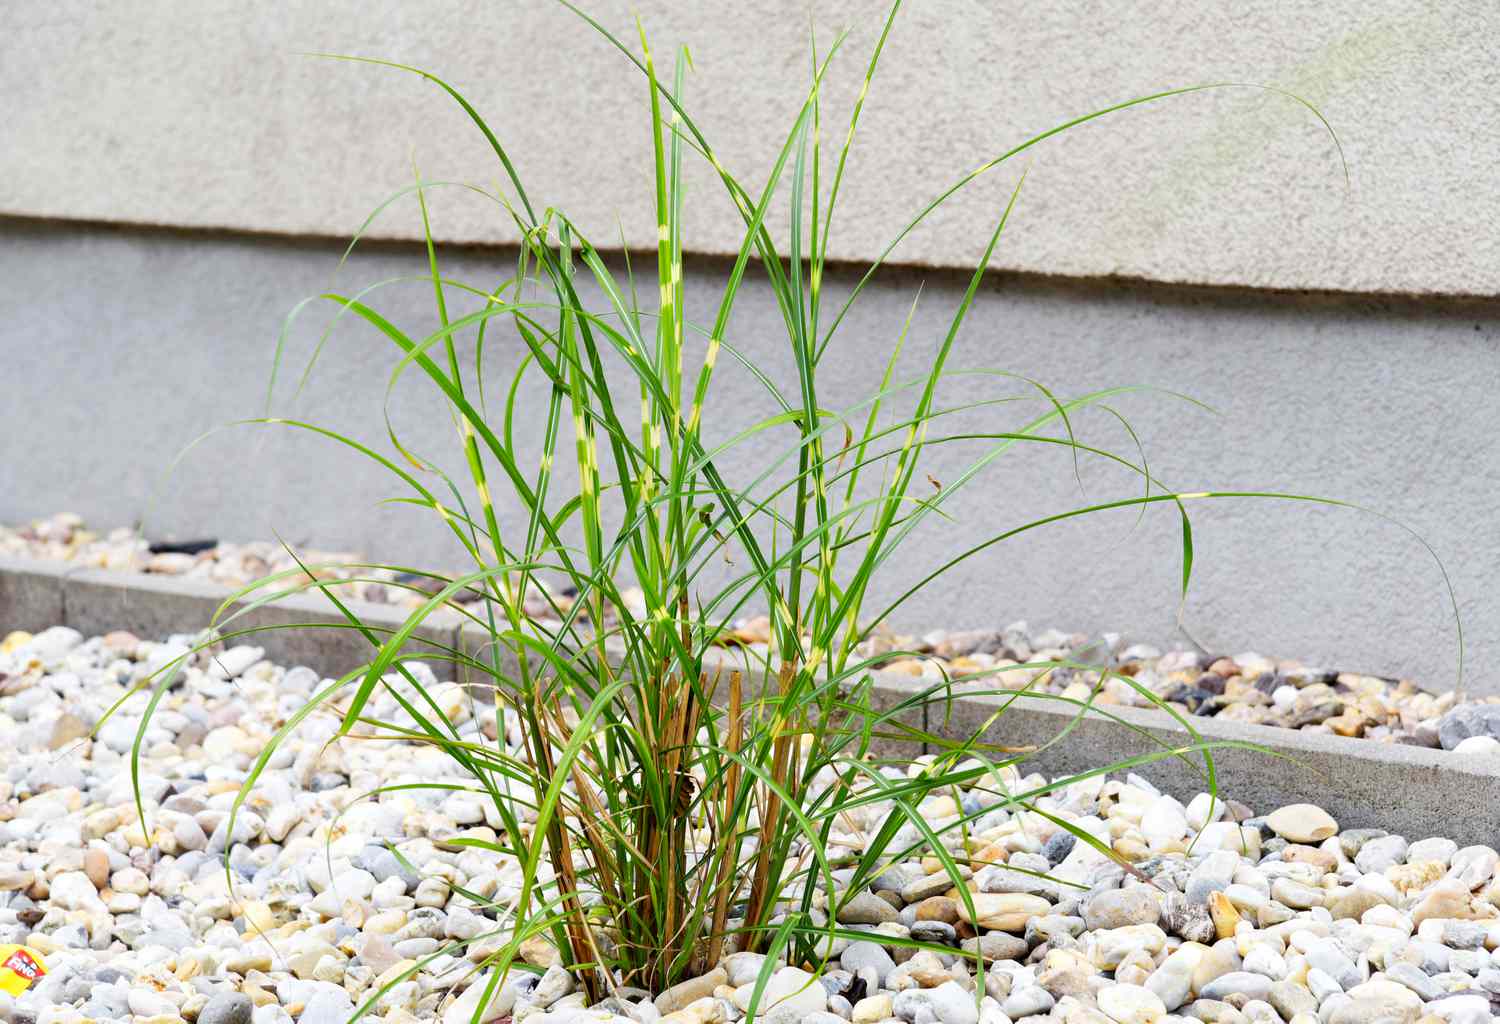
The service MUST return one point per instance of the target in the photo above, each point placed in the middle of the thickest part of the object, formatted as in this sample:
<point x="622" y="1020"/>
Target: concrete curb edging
<point x="35" y="595"/>
<point x="1416" y="791"/>
<point x="1362" y="783"/>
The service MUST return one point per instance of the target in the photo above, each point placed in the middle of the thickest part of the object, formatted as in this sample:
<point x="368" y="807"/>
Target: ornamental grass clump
<point x="671" y="798"/>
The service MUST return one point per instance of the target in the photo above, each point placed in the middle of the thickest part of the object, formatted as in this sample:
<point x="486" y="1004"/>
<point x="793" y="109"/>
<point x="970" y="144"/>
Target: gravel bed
<point x="66" y="538"/>
<point x="1245" y="687"/>
<point x="1225" y="916"/>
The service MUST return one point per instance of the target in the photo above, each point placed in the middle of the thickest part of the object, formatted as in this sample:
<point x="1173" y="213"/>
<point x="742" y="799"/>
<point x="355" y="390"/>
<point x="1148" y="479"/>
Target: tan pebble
<point x="68" y="729"/>
<point x="707" y="1010"/>
<point x="1006" y="912"/>
<point x="874" y="1008"/>
<point x="193" y="1005"/>
<point x="1297" y="895"/>
<point x="1272" y="913"/>
<point x="354" y="912"/>
<point x="1302" y="823"/>
<point x="1351" y="903"/>
<point x="387" y="922"/>
<point x="1416" y="876"/>
<point x="906" y="666"/>
<point x="121" y="642"/>
<point x="1491" y="894"/>
<point x="989" y="853"/>
<point x="476" y="834"/>
<point x="247" y="961"/>
<point x="1066" y="972"/>
<point x="940" y="807"/>
<point x="391" y="973"/>
<point x="1224" y="914"/>
<point x="1221" y="958"/>
<point x="43" y="943"/>
<point x="131" y="880"/>
<point x="14" y="879"/>
<point x="258" y="916"/>
<point x="926" y="970"/>
<point x="938" y="908"/>
<point x="96" y="866"/>
<point x="122" y="902"/>
<point x="1350" y="723"/>
<point x="1447" y="899"/>
<point x="538" y="952"/>
<point x="165" y="840"/>
<point x="1298" y="854"/>
<point x="257" y="995"/>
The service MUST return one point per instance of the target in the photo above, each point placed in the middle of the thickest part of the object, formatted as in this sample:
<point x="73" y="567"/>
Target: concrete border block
<point x="301" y="629"/>
<point x="100" y="600"/>
<point x="905" y="719"/>
<point x="892" y="698"/>
<point x="473" y="644"/>
<point x="1416" y="791"/>
<point x="1362" y="783"/>
<point x="305" y="629"/>
<point x="31" y="594"/>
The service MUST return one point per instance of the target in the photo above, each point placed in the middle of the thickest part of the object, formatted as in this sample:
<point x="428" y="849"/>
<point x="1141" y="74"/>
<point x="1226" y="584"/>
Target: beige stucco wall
<point x="205" y="115"/>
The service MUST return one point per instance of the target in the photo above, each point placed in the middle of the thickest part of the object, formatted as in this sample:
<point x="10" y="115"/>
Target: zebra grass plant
<point x="669" y="803"/>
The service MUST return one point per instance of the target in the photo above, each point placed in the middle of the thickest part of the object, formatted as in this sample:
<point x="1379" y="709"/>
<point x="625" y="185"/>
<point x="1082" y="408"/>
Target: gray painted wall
<point x="120" y="346"/>
<point x="206" y="115"/>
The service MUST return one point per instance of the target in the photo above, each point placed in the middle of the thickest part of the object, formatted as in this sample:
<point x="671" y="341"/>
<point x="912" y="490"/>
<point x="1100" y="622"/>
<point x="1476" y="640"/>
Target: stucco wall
<point x="207" y="115"/>
<point x="122" y="346"/>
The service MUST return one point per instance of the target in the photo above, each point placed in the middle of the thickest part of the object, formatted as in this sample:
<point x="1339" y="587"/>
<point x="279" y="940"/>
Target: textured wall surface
<point x="208" y="115"/>
<point x="121" y="346"/>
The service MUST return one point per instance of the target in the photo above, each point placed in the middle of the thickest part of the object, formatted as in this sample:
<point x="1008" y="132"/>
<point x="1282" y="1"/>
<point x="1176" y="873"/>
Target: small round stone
<point x="1302" y="823"/>
<point x="227" y="1008"/>
<point x="1131" y="1004"/>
